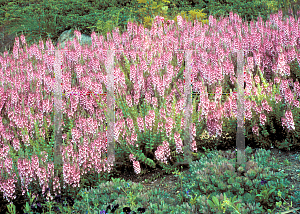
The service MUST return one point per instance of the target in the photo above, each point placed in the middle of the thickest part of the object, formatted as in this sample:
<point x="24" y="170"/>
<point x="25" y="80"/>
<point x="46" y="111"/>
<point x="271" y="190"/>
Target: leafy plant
<point x="104" y="27"/>
<point x="217" y="177"/>
<point x="151" y="9"/>
<point x="96" y="199"/>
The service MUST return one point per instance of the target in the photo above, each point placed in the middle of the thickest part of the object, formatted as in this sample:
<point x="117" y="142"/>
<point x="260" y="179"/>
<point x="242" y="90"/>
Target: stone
<point x="69" y="35"/>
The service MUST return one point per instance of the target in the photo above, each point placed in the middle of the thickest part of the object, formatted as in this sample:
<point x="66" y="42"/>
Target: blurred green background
<point x="40" y="19"/>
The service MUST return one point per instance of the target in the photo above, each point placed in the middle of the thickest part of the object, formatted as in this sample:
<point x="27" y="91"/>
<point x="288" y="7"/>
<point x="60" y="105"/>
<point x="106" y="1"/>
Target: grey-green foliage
<point x="220" y="175"/>
<point x="129" y="194"/>
<point x="211" y="178"/>
<point x="119" y="192"/>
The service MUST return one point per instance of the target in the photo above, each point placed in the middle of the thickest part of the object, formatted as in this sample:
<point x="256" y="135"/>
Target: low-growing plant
<point x="258" y="182"/>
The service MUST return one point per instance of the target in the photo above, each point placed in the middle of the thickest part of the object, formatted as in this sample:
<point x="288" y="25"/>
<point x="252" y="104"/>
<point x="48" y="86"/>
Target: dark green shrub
<point x="222" y="175"/>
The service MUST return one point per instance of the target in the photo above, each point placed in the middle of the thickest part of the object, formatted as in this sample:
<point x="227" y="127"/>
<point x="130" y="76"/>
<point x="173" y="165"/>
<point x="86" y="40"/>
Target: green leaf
<point x="215" y="200"/>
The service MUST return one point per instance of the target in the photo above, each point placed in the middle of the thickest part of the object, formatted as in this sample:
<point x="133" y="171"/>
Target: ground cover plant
<point x="260" y="171"/>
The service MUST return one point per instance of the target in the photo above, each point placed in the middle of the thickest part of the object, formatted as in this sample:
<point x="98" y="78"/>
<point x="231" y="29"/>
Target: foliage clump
<point x="254" y="187"/>
<point x="150" y="10"/>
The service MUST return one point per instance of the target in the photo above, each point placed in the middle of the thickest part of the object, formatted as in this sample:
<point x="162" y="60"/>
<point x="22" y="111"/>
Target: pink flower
<point x="193" y="146"/>
<point x="129" y="100"/>
<point x="255" y="130"/>
<point x="289" y="122"/>
<point x="179" y="20"/>
<point x="137" y="168"/>
<point x="131" y="157"/>
<point x="178" y="142"/>
<point x="140" y="123"/>
<point x="163" y="152"/>
<point x="130" y="123"/>
<point x="263" y="119"/>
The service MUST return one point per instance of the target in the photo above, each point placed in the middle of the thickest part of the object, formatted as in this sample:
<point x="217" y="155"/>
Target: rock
<point x="68" y="35"/>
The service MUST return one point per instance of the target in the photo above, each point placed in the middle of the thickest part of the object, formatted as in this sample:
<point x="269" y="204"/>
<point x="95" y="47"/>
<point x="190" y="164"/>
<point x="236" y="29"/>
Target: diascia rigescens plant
<point x="151" y="142"/>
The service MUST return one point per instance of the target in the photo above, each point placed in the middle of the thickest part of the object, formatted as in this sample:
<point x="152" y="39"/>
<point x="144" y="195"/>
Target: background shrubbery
<point x="40" y="19"/>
